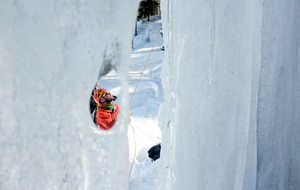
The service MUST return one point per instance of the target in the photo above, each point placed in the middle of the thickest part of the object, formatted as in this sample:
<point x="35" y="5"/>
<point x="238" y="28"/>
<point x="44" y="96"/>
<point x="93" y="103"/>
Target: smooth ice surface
<point x="230" y="116"/>
<point x="51" y="53"/>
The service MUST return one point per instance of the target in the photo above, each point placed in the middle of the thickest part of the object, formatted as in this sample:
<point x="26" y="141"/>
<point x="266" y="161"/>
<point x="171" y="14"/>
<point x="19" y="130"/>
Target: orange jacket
<point x="106" y="118"/>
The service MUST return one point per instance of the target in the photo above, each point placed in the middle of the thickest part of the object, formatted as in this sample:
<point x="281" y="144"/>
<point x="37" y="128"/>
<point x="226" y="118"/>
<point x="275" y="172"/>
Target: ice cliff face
<point x="230" y="119"/>
<point x="50" y="58"/>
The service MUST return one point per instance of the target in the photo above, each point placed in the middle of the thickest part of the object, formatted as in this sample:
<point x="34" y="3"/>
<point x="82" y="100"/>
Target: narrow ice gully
<point x="230" y="77"/>
<point x="144" y="132"/>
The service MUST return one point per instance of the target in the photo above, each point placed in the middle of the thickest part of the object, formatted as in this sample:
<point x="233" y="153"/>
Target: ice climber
<point x="107" y="112"/>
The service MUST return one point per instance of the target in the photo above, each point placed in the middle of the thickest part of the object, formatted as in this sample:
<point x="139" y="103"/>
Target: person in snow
<point x="107" y="112"/>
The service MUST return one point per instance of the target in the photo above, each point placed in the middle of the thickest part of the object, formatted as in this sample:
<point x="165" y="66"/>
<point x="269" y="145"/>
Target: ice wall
<point x="51" y="53"/>
<point x="230" y="119"/>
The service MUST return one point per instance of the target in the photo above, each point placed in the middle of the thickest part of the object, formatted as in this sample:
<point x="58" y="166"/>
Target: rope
<point x="143" y="131"/>
<point x="132" y="98"/>
<point x="145" y="66"/>
<point x="134" y="152"/>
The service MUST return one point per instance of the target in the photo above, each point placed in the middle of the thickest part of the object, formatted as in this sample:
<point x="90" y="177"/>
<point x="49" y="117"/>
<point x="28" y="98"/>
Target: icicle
<point x="212" y="39"/>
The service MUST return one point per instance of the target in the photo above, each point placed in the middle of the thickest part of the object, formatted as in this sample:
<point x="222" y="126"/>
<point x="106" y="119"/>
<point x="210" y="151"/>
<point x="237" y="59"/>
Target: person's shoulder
<point x="117" y="106"/>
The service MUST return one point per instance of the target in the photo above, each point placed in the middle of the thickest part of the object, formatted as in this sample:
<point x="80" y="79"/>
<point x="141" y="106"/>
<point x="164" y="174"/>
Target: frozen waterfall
<point x="230" y="116"/>
<point x="230" y="119"/>
<point x="51" y="53"/>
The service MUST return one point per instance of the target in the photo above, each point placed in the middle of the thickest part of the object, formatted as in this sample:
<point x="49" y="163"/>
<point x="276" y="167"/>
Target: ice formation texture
<point x="51" y="53"/>
<point x="230" y="119"/>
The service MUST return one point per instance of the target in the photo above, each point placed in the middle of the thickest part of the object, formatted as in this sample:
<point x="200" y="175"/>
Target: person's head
<point x="103" y="96"/>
